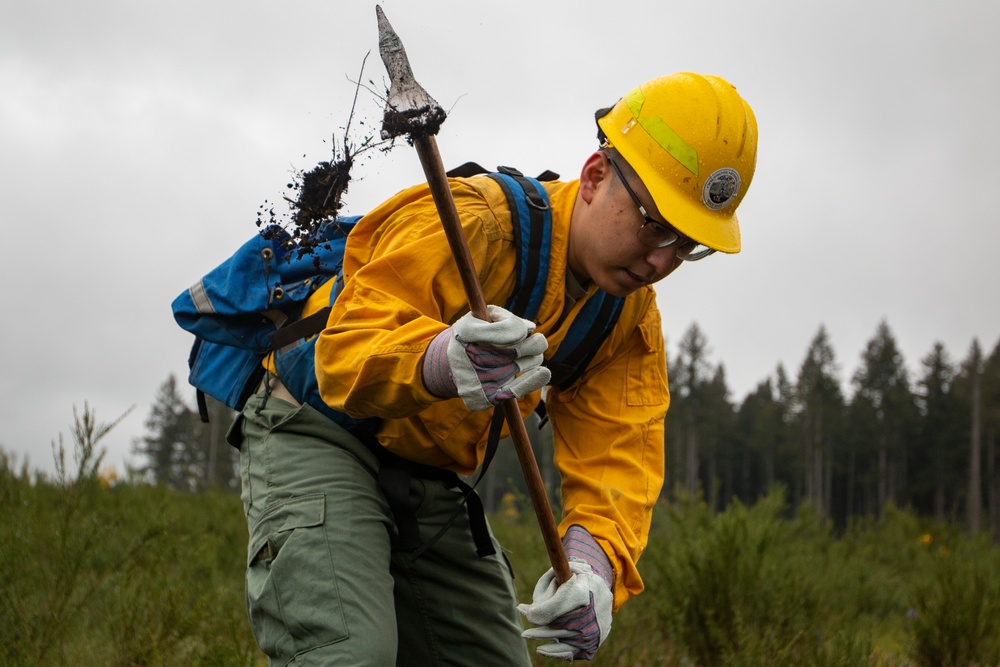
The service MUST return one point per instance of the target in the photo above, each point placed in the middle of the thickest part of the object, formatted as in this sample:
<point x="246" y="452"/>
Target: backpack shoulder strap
<point x="593" y="324"/>
<point x="532" y="224"/>
<point x="531" y="219"/>
<point x="302" y="328"/>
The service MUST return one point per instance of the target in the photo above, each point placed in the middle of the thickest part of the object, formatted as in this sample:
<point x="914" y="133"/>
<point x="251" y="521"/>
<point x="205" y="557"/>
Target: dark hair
<point x="599" y="114"/>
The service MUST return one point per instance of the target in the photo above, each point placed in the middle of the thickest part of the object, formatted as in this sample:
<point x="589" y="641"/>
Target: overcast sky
<point x="138" y="139"/>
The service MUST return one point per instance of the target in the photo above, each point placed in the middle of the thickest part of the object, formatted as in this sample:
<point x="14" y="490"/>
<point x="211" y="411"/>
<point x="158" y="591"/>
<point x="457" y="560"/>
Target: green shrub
<point x="955" y="618"/>
<point x="747" y="587"/>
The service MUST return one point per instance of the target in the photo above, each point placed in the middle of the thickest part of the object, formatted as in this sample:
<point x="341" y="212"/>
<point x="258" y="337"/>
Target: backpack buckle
<point x="532" y="198"/>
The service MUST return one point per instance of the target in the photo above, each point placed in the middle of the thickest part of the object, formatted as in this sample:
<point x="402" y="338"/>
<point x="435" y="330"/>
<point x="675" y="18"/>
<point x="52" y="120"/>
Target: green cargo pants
<point x="325" y="585"/>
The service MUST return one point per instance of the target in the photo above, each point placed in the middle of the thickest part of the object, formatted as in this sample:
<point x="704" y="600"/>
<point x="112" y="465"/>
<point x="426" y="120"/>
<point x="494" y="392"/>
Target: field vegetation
<point x="114" y="573"/>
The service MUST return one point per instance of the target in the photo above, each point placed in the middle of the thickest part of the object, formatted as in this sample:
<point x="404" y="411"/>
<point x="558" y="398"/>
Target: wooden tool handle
<point x="411" y="111"/>
<point x="430" y="160"/>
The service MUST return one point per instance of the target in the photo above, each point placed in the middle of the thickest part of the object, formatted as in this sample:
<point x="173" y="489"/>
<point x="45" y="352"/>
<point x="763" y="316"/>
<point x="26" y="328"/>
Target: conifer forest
<point x="847" y="443"/>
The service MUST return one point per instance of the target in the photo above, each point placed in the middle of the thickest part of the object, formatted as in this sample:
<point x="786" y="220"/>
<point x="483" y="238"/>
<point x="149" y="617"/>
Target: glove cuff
<point x="437" y="369"/>
<point x="579" y="543"/>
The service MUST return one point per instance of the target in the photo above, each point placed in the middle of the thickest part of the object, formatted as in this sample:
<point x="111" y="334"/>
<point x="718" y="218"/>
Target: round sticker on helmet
<point x="720" y="188"/>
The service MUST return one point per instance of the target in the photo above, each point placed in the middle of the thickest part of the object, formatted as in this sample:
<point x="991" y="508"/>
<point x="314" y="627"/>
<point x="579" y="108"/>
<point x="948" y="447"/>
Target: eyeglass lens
<point x="659" y="235"/>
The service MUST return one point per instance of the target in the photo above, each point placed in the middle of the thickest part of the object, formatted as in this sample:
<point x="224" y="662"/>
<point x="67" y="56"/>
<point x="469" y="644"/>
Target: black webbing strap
<point x="304" y="328"/>
<point x="202" y="406"/>
<point x="395" y="484"/>
<point x="395" y="475"/>
<point x="472" y="501"/>
<point x="199" y="394"/>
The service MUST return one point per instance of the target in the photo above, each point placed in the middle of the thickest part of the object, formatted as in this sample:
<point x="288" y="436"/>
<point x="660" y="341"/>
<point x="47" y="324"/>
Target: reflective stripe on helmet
<point x="661" y="133"/>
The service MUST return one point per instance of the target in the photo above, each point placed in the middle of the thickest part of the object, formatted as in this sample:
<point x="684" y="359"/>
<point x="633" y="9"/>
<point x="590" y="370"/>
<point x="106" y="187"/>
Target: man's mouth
<point x="639" y="280"/>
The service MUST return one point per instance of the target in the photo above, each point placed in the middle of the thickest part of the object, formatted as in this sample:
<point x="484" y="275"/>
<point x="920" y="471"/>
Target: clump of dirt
<point x="316" y="196"/>
<point x="424" y="121"/>
<point x="318" y="199"/>
<point x="321" y="190"/>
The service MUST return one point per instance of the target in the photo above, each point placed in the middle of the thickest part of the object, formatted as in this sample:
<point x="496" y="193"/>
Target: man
<point x="328" y="582"/>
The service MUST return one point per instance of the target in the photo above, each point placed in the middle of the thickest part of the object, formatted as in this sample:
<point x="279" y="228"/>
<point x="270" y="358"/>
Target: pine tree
<point x="716" y="425"/>
<point x="883" y="399"/>
<point x="182" y="452"/>
<point x="785" y="447"/>
<point x="972" y="370"/>
<point x="819" y="411"/>
<point x="936" y="462"/>
<point x="761" y="432"/>
<point x="991" y="432"/>
<point x="689" y="373"/>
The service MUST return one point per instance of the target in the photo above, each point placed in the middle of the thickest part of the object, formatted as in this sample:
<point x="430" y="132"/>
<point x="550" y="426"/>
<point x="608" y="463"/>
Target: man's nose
<point x="663" y="260"/>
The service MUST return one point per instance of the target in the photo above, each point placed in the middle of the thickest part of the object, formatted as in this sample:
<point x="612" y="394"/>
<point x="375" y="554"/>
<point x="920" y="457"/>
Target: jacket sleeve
<point x="609" y="442"/>
<point x="402" y="287"/>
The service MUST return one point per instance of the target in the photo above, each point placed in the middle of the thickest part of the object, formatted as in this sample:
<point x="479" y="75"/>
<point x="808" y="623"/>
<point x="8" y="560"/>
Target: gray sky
<point x="137" y="141"/>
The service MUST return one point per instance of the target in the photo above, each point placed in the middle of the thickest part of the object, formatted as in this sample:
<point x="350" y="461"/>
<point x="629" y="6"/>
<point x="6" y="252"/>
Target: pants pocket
<point x="291" y="587"/>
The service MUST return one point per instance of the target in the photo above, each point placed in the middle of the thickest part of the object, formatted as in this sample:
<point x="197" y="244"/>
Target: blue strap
<point x="593" y="324"/>
<point x="531" y="220"/>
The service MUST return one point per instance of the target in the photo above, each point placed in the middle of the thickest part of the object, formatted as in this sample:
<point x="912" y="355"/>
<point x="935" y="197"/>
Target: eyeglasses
<point x="656" y="234"/>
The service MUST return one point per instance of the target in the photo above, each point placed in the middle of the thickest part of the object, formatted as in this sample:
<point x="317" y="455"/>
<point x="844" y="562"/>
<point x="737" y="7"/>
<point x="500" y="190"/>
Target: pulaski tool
<point x="410" y="111"/>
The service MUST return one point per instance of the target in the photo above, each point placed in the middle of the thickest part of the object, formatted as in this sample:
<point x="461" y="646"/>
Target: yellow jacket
<point x="402" y="287"/>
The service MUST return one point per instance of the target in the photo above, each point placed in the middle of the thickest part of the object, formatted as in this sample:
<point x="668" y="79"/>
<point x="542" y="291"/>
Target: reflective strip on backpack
<point x="199" y="297"/>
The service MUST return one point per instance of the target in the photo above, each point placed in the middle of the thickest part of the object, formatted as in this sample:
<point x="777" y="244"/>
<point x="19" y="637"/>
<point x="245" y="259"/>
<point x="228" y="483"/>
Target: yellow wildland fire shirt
<point x="402" y="287"/>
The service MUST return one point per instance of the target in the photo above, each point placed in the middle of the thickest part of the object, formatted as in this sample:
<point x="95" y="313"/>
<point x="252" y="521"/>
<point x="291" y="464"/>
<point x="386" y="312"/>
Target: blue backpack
<point x="250" y="305"/>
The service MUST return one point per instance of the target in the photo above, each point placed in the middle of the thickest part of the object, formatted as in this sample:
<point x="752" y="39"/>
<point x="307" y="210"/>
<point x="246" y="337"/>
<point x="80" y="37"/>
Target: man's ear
<point x="593" y="175"/>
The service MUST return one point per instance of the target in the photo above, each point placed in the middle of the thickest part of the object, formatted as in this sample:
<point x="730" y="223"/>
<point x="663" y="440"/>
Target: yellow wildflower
<point x="509" y="504"/>
<point x="107" y="476"/>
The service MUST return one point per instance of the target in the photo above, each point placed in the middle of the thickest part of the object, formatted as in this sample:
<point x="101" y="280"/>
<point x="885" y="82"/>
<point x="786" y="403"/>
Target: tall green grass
<point x="117" y="575"/>
<point x="95" y="574"/>
<point x="757" y="586"/>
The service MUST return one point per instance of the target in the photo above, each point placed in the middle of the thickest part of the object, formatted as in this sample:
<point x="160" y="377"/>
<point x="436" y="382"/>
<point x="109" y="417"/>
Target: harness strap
<point x="532" y="231"/>
<point x="395" y="475"/>
<point x="477" y="515"/>
<point x="300" y="329"/>
<point x="586" y="335"/>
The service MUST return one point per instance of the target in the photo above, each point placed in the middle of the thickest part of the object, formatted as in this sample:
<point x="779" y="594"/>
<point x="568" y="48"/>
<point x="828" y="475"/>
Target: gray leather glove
<point x="577" y="615"/>
<point x="486" y="362"/>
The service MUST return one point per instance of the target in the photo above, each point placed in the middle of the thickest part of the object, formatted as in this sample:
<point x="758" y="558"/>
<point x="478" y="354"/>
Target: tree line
<point x="926" y="442"/>
<point x="181" y="451"/>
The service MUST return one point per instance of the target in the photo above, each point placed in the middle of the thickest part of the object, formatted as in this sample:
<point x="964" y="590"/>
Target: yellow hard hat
<point x="692" y="140"/>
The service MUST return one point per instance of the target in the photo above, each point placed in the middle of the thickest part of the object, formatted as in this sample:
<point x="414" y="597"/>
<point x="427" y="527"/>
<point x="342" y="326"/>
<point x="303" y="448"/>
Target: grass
<point x="755" y="586"/>
<point x="122" y="576"/>
<point x="96" y="574"/>
<point x="107" y="574"/>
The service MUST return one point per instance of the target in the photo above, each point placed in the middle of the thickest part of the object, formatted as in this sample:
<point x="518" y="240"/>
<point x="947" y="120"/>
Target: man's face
<point x="604" y="242"/>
